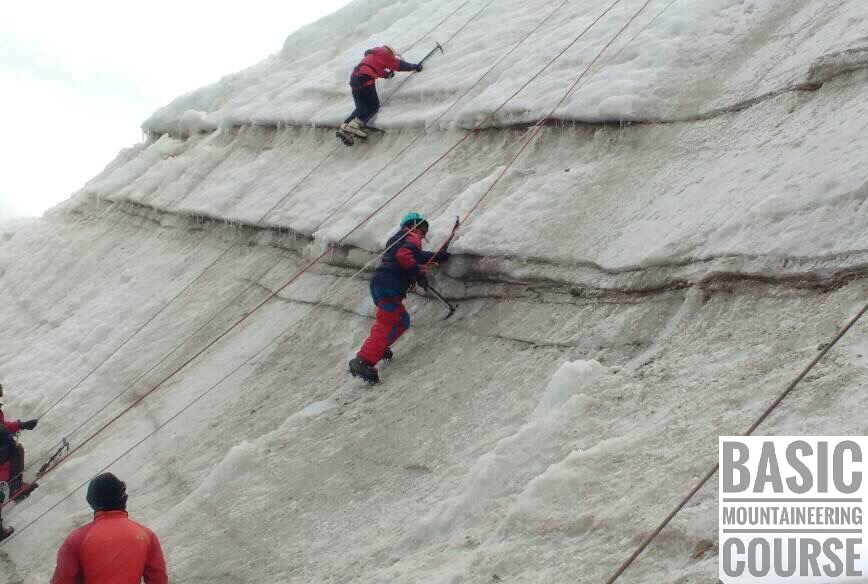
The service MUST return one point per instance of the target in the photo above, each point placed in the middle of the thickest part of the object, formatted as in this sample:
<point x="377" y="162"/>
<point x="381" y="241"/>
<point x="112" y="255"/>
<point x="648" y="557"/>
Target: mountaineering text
<point x="790" y="509"/>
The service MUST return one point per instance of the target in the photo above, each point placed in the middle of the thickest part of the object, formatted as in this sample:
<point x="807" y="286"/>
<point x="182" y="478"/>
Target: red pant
<point x="11" y="470"/>
<point x="392" y="321"/>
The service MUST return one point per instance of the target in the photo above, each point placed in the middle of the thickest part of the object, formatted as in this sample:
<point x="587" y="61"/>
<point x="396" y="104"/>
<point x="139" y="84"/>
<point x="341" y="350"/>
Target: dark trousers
<point x="367" y="102"/>
<point x="16" y="468"/>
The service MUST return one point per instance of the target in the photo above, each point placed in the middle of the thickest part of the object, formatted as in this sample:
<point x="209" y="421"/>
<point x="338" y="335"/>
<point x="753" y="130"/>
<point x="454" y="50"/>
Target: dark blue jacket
<point x="401" y="264"/>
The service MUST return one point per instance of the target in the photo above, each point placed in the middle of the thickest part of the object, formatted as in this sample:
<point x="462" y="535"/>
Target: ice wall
<point x="627" y="293"/>
<point x="678" y="60"/>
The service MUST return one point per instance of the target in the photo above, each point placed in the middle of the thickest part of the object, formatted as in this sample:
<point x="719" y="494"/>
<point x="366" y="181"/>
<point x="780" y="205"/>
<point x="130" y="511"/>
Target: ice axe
<point x="450" y="307"/>
<point x="437" y="46"/>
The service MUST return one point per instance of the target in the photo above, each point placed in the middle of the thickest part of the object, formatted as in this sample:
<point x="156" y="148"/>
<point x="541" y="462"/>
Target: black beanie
<point x="107" y="493"/>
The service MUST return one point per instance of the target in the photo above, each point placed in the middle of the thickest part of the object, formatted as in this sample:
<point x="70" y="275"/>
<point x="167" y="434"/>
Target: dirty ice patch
<point x="571" y="378"/>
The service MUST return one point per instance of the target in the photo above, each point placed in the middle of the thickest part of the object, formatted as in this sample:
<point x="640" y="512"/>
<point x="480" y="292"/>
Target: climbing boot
<point x="355" y="127"/>
<point x="359" y="368"/>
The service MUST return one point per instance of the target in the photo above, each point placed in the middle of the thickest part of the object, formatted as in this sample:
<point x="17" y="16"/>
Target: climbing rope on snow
<point x="436" y="26"/>
<point x="464" y="94"/>
<point x="204" y="393"/>
<point x="771" y="408"/>
<point x="139" y="329"/>
<point x="370" y="216"/>
<point x="318" y="258"/>
<point x="178" y="295"/>
<point x="282" y="335"/>
<point x="491" y="116"/>
<point x="537" y="128"/>
<point x="219" y="257"/>
<point x="406" y="80"/>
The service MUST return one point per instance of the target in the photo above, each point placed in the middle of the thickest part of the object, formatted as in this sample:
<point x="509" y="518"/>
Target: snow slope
<point x="693" y="58"/>
<point x="627" y="292"/>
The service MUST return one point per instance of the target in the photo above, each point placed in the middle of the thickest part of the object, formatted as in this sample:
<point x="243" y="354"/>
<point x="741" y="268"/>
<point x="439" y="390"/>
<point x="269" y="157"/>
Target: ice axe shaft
<point x="445" y="302"/>
<point x="437" y="46"/>
<point x="454" y="231"/>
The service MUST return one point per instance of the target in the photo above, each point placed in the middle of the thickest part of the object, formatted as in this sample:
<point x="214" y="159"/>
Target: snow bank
<point x="638" y="206"/>
<point x="567" y="381"/>
<point x="676" y="60"/>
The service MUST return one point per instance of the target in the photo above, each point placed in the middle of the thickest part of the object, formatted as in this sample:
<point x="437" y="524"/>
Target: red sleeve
<point x="13" y="427"/>
<point x="406" y="258"/>
<point x="68" y="570"/>
<point x="155" y="566"/>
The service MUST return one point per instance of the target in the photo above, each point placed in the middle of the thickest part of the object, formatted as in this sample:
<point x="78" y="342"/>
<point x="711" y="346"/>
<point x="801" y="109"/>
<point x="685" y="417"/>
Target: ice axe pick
<point x="437" y="47"/>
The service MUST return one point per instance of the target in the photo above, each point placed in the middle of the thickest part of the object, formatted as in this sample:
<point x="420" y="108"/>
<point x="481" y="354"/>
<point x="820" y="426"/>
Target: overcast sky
<point x="78" y="78"/>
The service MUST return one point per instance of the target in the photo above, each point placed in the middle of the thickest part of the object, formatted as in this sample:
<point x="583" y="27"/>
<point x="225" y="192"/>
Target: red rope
<point x="171" y="301"/>
<point x="537" y="128"/>
<point x="439" y="117"/>
<point x="136" y="332"/>
<point x="344" y="237"/>
<point x="653" y="535"/>
<point x="541" y="123"/>
<point x="436" y="26"/>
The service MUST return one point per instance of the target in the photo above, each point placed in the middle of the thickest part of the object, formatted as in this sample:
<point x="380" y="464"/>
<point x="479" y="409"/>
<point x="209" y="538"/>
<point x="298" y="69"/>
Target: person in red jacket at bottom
<point x="112" y="549"/>
<point x="379" y="62"/>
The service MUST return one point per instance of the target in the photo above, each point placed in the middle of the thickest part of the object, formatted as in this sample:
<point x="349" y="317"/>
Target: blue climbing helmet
<point x="414" y="220"/>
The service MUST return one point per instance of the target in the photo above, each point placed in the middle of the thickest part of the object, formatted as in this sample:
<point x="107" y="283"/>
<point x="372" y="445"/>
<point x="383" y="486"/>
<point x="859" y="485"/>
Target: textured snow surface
<point x="627" y="293"/>
<point x="777" y="188"/>
<point x="531" y="437"/>
<point x="694" y="57"/>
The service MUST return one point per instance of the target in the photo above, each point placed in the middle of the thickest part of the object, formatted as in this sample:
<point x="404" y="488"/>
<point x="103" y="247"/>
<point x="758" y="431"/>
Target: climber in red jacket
<point x="12" y="461"/>
<point x="112" y="549"/>
<point x="403" y="265"/>
<point x="379" y="62"/>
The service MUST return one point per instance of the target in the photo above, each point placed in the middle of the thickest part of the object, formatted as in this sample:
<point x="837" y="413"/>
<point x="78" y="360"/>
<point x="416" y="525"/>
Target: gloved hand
<point x="29" y="424"/>
<point x="419" y="68"/>
<point x="442" y="255"/>
<point x="390" y="74"/>
<point x="422" y="280"/>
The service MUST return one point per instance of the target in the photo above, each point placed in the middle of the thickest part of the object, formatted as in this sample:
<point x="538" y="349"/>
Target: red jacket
<point x="377" y="61"/>
<point x="111" y="550"/>
<point x="14" y="428"/>
<point x="375" y="64"/>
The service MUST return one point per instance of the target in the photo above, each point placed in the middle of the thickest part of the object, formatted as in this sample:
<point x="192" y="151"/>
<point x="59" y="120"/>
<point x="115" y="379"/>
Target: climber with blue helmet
<point x="402" y="265"/>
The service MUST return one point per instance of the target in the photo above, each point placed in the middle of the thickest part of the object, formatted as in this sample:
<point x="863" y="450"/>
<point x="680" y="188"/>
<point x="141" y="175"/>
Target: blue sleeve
<point x="405" y="66"/>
